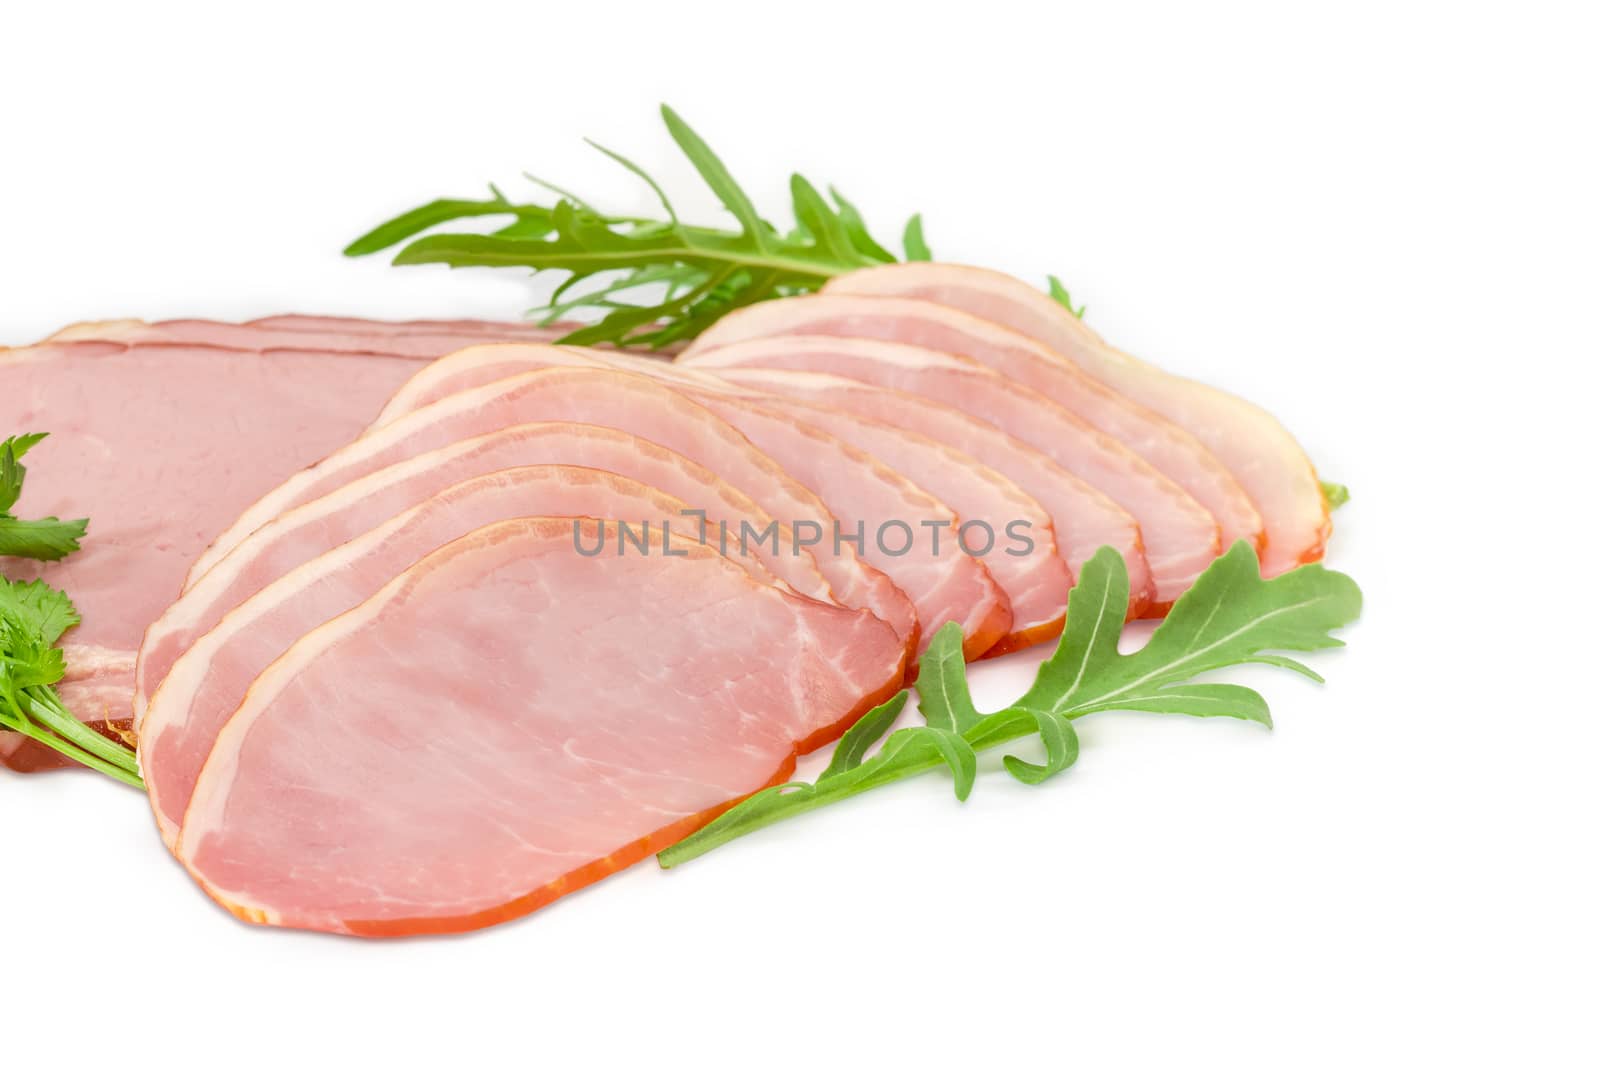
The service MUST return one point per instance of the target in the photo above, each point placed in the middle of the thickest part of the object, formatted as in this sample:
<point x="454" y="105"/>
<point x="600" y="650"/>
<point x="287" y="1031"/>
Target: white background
<point x="1379" y="221"/>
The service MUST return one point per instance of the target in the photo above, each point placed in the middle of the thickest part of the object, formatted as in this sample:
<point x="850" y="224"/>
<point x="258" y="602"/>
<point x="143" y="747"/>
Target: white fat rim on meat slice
<point x="455" y="372"/>
<point x="895" y="353"/>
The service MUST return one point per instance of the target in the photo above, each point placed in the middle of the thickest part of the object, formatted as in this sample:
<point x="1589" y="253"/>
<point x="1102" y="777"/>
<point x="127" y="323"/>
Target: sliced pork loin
<point x="896" y="525"/>
<point x="1169" y="449"/>
<point x="1180" y="537"/>
<point x="302" y="533"/>
<point x="417" y="340"/>
<point x="1081" y="517"/>
<point x="598" y="397"/>
<point x="482" y="329"/>
<point x="1000" y="523"/>
<point x="488" y="763"/>
<point x="1036" y="581"/>
<point x="902" y="530"/>
<point x="1262" y="456"/>
<point x="161" y="446"/>
<point x="208" y="681"/>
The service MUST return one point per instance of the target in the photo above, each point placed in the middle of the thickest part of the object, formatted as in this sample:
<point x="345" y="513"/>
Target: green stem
<point x="72" y="752"/>
<point x="48" y="711"/>
<point x="870" y="775"/>
<point x="509" y="253"/>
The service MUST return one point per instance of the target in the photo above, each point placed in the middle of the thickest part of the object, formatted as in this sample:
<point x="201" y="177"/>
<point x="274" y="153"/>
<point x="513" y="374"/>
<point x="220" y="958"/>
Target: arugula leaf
<point x="867" y="731"/>
<point x="1336" y="495"/>
<point x="856" y="227"/>
<point x="1230" y="616"/>
<point x="654" y="281"/>
<point x="717" y="177"/>
<point x="42" y="539"/>
<point x="33" y="617"/>
<point x="533" y="221"/>
<point x="1059" y="294"/>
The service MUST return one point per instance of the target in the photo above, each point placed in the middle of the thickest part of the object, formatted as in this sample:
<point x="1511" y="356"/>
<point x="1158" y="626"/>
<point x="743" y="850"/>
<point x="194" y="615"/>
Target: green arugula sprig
<point x="42" y="539"/>
<point x="660" y="280"/>
<point x="1230" y="616"/>
<point x="33" y="617"/>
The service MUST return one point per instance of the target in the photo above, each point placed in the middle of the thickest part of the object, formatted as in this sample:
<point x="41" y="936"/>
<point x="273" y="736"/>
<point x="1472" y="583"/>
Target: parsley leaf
<point x="37" y="609"/>
<point x="42" y="539"/>
<point x="1230" y="616"/>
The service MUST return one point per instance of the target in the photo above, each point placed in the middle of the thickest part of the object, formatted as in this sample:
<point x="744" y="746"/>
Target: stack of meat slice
<point x="552" y="608"/>
<point x="522" y="712"/>
<point x="162" y="433"/>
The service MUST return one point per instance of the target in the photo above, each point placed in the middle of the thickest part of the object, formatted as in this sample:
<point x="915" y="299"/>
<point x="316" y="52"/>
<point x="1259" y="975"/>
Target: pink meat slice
<point x="992" y="507"/>
<point x="1173" y="451"/>
<point x="492" y="361"/>
<point x="302" y="533"/>
<point x="160" y="446"/>
<point x="1180" y="537"/>
<point x="412" y="341"/>
<point x="207" y="683"/>
<point x="901" y="530"/>
<point x="598" y="397"/>
<point x="1081" y="518"/>
<point x="484" y="329"/>
<point x="1263" y="457"/>
<point x="868" y="498"/>
<point x="488" y="762"/>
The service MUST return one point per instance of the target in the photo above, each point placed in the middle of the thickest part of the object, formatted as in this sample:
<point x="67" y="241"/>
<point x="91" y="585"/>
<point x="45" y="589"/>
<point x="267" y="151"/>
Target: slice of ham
<point x="995" y="512"/>
<point x="898" y="527"/>
<point x="1166" y="447"/>
<point x="490" y="362"/>
<point x="599" y="397"/>
<point x="302" y="533"/>
<point x="1081" y="517"/>
<point x="482" y="329"/>
<point x="160" y="446"/>
<point x="1180" y="537"/>
<point x="209" y="680"/>
<point x="486" y="763"/>
<point x="1263" y="457"/>
<point x="409" y="340"/>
